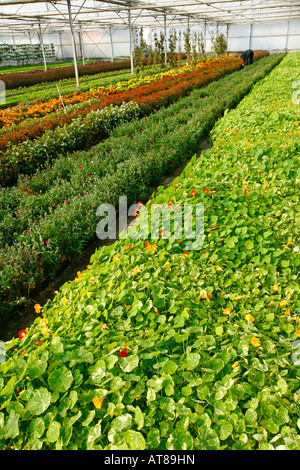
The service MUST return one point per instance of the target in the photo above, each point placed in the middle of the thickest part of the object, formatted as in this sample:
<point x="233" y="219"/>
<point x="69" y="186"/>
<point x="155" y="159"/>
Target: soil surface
<point x="24" y="317"/>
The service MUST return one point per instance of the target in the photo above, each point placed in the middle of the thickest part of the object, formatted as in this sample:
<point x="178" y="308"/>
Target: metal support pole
<point x="42" y="46"/>
<point x="204" y="38"/>
<point x="73" y="43"/>
<point x="287" y="37"/>
<point x="61" y="46"/>
<point x="81" y="45"/>
<point x="166" y="41"/>
<point x="227" y="37"/>
<point x="250" y="36"/>
<point x="111" y="44"/>
<point x="130" y="40"/>
<point x="31" y="48"/>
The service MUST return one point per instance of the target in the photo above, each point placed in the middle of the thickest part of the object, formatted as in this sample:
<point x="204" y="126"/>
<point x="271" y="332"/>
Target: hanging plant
<point x="194" y="49"/>
<point x="156" y="50"/>
<point x="219" y="45"/>
<point x="187" y="45"/>
<point x="161" y="49"/>
<point x="201" y="46"/>
<point x="179" y="54"/>
<point x="172" y="58"/>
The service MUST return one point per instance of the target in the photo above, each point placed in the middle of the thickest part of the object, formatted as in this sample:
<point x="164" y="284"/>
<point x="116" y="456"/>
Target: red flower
<point x="193" y="193"/>
<point x="22" y="333"/>
<point x="123" y="353"/>
<point x="206" y="191"/>
<point x="245" y="191"/>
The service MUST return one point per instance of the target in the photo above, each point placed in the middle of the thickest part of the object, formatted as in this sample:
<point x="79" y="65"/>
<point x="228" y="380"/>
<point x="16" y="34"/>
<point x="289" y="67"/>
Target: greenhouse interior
<point x="150" y="227"/>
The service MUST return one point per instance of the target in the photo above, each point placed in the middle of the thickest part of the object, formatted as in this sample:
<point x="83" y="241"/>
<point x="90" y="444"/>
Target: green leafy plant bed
<point x="51" y="216"/>
<point x="80" y="127"/>
<point x="156" y="347"/>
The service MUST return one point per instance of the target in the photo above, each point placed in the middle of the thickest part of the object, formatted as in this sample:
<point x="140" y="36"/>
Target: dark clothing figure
<point x="247" y="56"/>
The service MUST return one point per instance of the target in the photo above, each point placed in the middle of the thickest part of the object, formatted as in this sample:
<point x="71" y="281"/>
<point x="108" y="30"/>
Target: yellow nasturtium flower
<point x="275" y="288"/>
<point x="249" y="317"/>
<point x="98" y="402"/>
<point x="37" y="308"/>
<point x="203" y="294"/>
<point x="255" y="341"/>
<point x="136" y="270"/>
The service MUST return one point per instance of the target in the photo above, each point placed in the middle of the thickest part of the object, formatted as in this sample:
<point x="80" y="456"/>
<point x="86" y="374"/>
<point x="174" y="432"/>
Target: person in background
<point x="247" y="56"/>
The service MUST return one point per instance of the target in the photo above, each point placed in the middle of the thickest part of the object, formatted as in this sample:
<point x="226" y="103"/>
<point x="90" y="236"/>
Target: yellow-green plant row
<point x="157" y="347"/>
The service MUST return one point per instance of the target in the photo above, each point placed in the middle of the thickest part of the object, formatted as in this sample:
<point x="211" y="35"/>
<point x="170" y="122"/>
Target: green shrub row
<point x="76" y="129"/>
<point x="52" y="216"/>
<point x="33" y="77"/>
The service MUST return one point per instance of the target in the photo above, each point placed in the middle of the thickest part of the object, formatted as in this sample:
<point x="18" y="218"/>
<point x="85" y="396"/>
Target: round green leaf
<point x="39" y="401"/>
<point x="53" y="431"/>
<point x="135" y="440"/>
<point x="60" y="379"/>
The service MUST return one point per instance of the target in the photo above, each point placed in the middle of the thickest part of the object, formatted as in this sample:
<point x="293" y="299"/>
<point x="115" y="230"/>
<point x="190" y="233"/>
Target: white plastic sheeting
<point x="258" y="24"/>
<point x="96" y="43"/>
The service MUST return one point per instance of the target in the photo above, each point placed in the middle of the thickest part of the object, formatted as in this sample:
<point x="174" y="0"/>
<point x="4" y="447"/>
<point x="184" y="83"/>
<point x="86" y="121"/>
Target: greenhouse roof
<point x="18" y="15"/>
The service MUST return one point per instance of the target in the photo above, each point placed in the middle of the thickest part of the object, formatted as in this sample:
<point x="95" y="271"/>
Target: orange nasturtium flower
<point x="255" y="341"/>
<point x="37" y="308"/>
<point x="150" y="247"/>
<point x="275" y="288"/>
<point x="226" y="311"/>
<point x="116" y="258"/>
<point x="283" y="303"/>
<point x="218" y="268"/>
<point x="98" y="402"/>
<point x="297" y="333"/>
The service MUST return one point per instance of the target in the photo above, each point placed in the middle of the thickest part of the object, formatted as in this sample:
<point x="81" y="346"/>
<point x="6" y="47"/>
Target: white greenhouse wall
<point x="96" y="44"/>
<point x="268" y="36"/>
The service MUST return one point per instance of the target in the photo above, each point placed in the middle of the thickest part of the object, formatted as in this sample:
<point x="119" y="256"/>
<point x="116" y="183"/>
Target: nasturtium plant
<point x="175" y="349"/>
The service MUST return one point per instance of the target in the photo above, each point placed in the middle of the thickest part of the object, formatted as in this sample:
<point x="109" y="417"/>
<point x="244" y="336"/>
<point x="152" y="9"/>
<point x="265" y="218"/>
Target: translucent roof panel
<point x="17" y="14"/>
